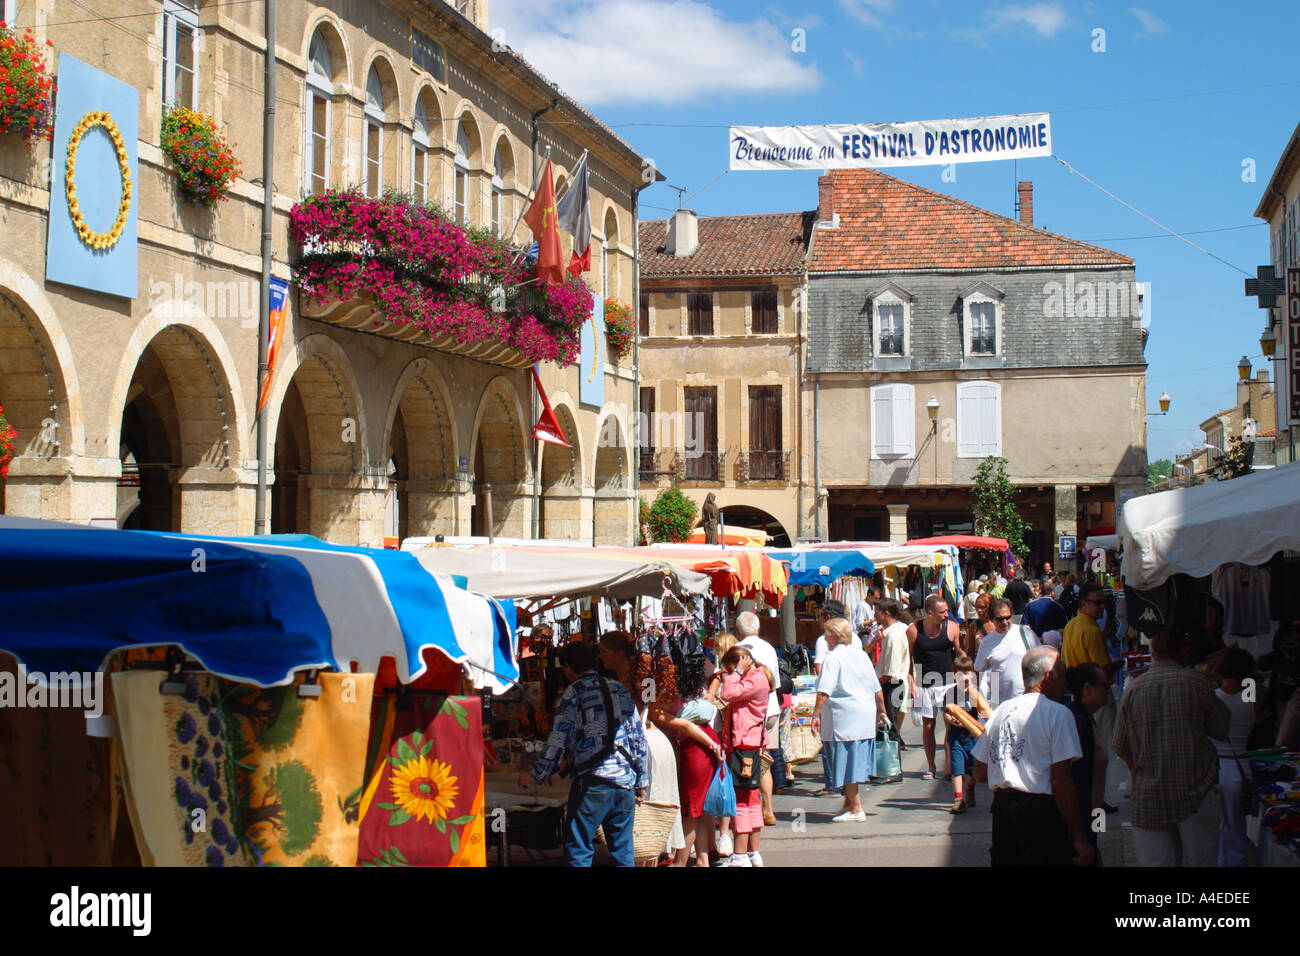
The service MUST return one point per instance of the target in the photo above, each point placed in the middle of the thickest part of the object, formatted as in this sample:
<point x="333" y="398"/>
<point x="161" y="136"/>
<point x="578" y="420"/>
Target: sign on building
<point x="1067" y="546"/>
<point x="924" y="143"/>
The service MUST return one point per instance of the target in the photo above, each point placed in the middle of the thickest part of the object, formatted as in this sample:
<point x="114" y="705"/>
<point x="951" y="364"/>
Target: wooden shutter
<point x="882" y="421"/>
<point x="904" y="420"/>
<point x="699" y="307"/>
<point x="979" y="420"/>
<point x="702" y="430"/>
<point x="763" y="308"/>
<point x="644" y="324"/>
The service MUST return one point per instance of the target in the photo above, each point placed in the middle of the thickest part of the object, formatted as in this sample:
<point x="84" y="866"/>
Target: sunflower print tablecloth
<point x="176" y="770"/>
<point x="423" y="803"/>
<point x="301" y="764"/>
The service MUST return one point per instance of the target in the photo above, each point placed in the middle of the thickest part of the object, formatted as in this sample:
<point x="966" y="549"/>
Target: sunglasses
<point x="1003" y="620"/>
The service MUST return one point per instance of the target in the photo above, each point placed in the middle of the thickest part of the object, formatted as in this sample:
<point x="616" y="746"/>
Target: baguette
<point x="967" y="722"/>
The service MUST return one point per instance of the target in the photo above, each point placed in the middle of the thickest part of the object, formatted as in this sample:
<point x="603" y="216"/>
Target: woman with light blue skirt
<point x="850" y="707"/>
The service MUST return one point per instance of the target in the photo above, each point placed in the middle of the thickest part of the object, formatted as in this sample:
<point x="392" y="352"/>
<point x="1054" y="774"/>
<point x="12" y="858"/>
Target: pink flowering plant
<point x="418" y="267"/>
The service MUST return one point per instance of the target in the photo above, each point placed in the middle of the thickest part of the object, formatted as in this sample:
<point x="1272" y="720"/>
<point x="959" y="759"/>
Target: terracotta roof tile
<point x="764" y="244"/>
<point x="887" y="224"/>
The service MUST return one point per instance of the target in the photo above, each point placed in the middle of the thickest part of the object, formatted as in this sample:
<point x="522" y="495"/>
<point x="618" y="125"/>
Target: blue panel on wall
<point x="84" y="90"/>
<point x="591" y="372"/>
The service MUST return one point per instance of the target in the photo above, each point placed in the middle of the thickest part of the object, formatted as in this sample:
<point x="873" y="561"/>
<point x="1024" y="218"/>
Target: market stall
<point x="292" y="691"/>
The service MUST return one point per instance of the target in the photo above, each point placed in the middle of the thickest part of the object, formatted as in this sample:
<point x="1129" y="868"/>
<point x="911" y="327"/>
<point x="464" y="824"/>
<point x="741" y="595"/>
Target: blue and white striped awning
<point x="251" y="609"/>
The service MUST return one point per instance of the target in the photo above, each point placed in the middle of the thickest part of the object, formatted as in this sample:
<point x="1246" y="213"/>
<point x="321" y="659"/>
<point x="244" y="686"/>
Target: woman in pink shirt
<point x="745" y="687"/>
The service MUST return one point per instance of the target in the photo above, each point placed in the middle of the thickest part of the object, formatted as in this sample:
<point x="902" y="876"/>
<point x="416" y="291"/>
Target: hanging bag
<point x="889" y="768"/>
<point x="720" y="800"/>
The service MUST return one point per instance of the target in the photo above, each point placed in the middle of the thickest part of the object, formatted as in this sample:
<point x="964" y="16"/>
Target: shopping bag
<point x="720" y="801"/>
<point x="889" y="768"/>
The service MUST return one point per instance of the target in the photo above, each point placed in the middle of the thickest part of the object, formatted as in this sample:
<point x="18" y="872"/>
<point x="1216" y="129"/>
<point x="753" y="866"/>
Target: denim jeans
<point x="594" y="802"/>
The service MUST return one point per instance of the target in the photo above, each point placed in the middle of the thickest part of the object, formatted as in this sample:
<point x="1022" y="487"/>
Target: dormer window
<point x="891" y="314"/>
<point x="982" y="320"/>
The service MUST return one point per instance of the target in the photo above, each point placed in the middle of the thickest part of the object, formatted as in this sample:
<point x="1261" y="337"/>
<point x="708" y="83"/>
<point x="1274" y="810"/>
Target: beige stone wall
<point x="72" y="361"/>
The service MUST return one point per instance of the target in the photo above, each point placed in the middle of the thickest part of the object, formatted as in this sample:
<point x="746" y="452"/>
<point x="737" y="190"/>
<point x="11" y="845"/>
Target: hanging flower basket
<point x="7" y="436"/>
<point x="205" y="163"/>
<point x="620" y="329"/>
<point x="26" y="86"/>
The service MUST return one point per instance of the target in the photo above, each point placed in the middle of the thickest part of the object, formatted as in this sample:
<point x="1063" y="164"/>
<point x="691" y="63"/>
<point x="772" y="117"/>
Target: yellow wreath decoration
<point x="97" y="240"/>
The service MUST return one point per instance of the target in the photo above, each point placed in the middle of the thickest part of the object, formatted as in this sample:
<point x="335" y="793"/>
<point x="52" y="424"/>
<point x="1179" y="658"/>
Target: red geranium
<point x="27" y="106"/>
<point x="7" y="436"/>
<point x="205" y="164"/>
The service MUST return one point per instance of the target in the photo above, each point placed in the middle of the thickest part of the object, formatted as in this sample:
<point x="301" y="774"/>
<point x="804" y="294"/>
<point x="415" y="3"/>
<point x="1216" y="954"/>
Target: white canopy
<point x="1108" y="541"/>
<point x="521" y="573"/>
<point x="1194" y="530"/>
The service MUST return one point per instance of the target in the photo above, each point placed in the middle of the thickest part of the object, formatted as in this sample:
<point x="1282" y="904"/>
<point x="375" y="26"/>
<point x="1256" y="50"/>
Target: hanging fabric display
<point x="301" y="768"/>
<point x="423" y="802"/>
<point x="176" y="771"/>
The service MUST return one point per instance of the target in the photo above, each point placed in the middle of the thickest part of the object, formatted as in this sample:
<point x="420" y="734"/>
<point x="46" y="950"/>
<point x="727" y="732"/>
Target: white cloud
<point x="1150" y="22"/>
<point x="867" y="11"/>
<point x="859" y="68"/>
<point x="651" y="51"/>
<point x="1045" y="18"/>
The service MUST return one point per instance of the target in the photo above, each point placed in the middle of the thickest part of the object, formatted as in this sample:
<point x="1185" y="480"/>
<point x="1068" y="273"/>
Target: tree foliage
<point x="995" y="509"/>
<point x="1159" y="470"/>
<point x="671" y="517"/>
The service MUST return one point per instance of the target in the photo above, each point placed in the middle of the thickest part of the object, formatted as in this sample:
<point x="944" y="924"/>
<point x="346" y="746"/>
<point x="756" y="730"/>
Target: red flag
<point x="548" y="426"/>
<point x="544" y="222"/>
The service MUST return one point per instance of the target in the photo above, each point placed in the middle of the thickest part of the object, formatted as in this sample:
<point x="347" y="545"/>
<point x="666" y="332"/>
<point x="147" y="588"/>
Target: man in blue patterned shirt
<point x="610" y="776"/>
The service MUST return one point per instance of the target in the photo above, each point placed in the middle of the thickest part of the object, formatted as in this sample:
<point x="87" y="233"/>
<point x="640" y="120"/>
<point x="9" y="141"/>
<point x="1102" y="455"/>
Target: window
<point x="763" y="309"/>
<point x="982" y="320"/>
<point x="891" y="330"/>
<point x="979" y="419"/>
<point x="983" y="329"/>
<point x="9" y="14"/>
<point x="644" y="327"/>
<point x="765" y="458"/>
<point x="699" y="313"/>
<point x="180" y="50"/>
<point x="498" y="187"/>
<point x="374" y="134"/>
<point x="427" y="55"/>
<point x="609" y="248"/>
<point x="647" y="429"/>
<point x="893" y="423"/>
<point x="320" y="90"/>
<point x="420" y="152"/>
<point x="700" y="447"/>
<point x="460" y="186"/>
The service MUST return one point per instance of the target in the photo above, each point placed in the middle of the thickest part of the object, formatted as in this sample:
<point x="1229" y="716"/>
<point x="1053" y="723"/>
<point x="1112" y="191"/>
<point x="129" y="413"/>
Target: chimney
<point x="1025" y="202"/>
<point x="683" y="234"/>
<point x="825" y="198"/>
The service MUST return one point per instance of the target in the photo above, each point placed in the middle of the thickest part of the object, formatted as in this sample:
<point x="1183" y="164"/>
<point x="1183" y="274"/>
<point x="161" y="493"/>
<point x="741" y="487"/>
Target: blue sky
<point x="1183" y="94"/>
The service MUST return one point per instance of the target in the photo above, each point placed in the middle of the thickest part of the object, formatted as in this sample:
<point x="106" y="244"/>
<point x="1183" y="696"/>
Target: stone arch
<point x="612" y="517"/>
<point x="421" y="453"/>
<point x="335" y="39"/>
<point x="377" y="58"/>
<point x="465" y="113"/>
<point x="176" y="424"/>
<point x="756" y="519"/>
<point x="500" y="458"/>
<point x="429" y="138"/>
<point x="317" y="422"/>
<point x="40" y="396"/>
<point x="562" y="478"/>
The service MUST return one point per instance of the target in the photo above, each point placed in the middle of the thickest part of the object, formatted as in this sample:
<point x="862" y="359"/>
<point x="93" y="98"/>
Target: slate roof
<point x="887" y="224"/>
<point x="763" y="244"/>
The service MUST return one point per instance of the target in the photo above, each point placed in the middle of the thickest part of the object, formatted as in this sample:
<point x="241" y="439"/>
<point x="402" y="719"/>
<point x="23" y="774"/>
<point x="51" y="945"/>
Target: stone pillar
<point x="613" y="517"/>
<point x="562" y="514"/>
<point x="430" y="505"/>
<point x="1067" y="523"/>
<point x="208" y="502"/>
<point x="71" y="489"/>
<point x="897" y="524"/>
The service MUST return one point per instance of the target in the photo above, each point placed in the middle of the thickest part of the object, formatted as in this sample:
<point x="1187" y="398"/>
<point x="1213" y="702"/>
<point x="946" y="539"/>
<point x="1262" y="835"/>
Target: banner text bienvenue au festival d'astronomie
<point x="924" y="143"/>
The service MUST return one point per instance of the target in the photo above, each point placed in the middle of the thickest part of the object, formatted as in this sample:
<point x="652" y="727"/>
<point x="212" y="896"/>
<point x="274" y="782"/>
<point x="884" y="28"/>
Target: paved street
<point x="908" y="823"/>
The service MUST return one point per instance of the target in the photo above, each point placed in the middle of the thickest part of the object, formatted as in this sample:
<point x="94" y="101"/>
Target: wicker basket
<point x="650" y="829"/>
<point x="804" y="744"/>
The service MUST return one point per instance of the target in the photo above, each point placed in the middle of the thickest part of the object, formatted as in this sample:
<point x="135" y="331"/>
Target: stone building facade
<point x="142" y="410"/>
<point x="1027" y="345"/>
<point x="722" y="345"/>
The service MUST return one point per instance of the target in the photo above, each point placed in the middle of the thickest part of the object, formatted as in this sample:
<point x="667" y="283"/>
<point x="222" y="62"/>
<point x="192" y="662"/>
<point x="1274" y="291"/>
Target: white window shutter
<point x="992" y="418"/>
<point x="882" y="421"/>
<point x="968" y="422"/>
<point x="904" y="420"/>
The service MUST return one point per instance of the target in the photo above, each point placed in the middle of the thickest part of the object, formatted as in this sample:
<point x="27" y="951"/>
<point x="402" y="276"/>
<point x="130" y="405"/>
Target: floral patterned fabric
<point x="301" y="763"/>
<point x="423" y="804"/>
<point x="176" y="770"/>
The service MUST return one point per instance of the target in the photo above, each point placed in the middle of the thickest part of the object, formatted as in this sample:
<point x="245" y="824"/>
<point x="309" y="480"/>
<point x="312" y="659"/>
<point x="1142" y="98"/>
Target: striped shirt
<point x="582" y="729"/>
<point x="1165" y="723"/>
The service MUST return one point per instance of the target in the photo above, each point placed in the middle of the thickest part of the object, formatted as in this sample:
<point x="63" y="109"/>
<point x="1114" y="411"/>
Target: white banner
<point x="923" y="143"/>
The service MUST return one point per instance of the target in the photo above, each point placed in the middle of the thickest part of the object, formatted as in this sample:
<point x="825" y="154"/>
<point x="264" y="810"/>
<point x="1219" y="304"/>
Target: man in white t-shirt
<point x="1025" y="754"/>
<point x="892" y="669"/>
<point x="764" y="653"/>
<point x="1001" y="652"/>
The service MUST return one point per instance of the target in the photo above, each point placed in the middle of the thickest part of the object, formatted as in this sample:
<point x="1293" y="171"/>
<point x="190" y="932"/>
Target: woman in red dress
<point x="700" y="757"/>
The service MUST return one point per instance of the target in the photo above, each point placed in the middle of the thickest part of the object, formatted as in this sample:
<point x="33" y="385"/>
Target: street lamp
<point x="1243" y="368"/>
<point x="1268" y="342"/>
<point x="932" y="409"/>
<point x="1164" y="404"/>
<point x="1249" y="429"/>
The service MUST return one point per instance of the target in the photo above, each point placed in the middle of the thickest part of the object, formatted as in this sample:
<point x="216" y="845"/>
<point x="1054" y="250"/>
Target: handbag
<point x="720" y="800"/>
<point x="1249" y="792"/>
<point x="889" y="768"/>
<point x="746" y="767"/>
